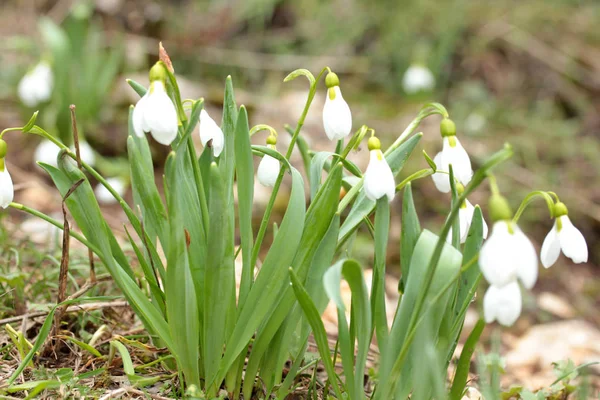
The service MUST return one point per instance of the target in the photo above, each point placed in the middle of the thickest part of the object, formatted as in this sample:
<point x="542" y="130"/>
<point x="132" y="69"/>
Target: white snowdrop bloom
<point x="337" y="118"/>
<point x="465" y="217"/>
<point x="379" y="179"/>
<point x="209" y="130"/>
<point x="36" y="86"/>
<point x="87" y="153"/>
<point x="104" y="196"/>
<point x="418" y="78"/>
<point x="502" y="304"/>
<point x="507" y="255"/>
<point x="156" y="113"/>
<point x="268" y="170"/>
<point x="46" y="152"/>
<point x="566" y="237"/>
<point x="7" y="192"/>
<point x="452" y="153"/>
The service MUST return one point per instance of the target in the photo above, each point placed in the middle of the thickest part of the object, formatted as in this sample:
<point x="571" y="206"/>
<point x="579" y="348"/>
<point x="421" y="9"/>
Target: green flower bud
<point x="158" y="72"/>
<point x="499" y="208"/>
<point x="332" y="80"/>
<point x="272" y="139"/>
<point x="447" y="127"/>
<point x="374" y="143"/>
<point x="560" y="209"/>
<point x="3" y="148"/>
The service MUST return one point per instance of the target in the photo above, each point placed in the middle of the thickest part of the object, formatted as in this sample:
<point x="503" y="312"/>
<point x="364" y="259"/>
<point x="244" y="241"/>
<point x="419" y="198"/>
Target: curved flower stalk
<point x="379" y="179"/>
<point x="563" y="236"/>
<point x="337" y="118"/>
<point x="418" y="78"/>
<point x="104" y="196"/>
<point x="36" y="86"/>
<point x="211" y="132"/>
<point x="155" y="112"/>
<point x="453" y="153"/>
<point x="269" y="167"/>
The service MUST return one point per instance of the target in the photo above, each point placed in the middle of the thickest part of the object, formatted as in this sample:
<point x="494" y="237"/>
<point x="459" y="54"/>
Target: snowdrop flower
<point x="209" y="130"/>
<point x="502" y="304"/>
<point x="46" y="152"/>
<point x="563" y="236"/>
<point x="155" y="112"/>
<point x="36" y="86"/>
<point x="418" y="78"/>
<point x="269" y="167"/>
<point x="379" y="179"/>
<point x="7" y="192"/>
<point x="337" y="118"/>
<point x="104" y="196"/>
<point x="465" y="217"/>
<point x="452" y="154"/>
<point x="507" y="254"/>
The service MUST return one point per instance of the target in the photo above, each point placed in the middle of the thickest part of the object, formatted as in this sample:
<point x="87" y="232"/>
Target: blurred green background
<point x="524" y="72"/>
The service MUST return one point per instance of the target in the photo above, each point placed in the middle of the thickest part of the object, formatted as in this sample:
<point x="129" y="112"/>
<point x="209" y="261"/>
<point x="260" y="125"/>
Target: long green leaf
<point x="378" y="309"/>
<point x="409" y="233"/>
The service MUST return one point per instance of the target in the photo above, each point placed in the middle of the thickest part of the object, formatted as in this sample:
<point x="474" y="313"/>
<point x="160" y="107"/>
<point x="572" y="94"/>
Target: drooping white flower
<point x="507" y="255"/>
<point x="418" y="78"/>
<point x="36" y="86"/>
<point x="379" y="179"/>
<point x="452" y="153"/>
<point x="337" y="118"/>
<point x="566" y="237"/>
<point x="209" y="130"/>
<point x="465" y="217"/>
<point x="104" y="196"/>
<point x="46" y="152"/>
<point x="156" y="113"/>
<point x="268" y="170"/>
<point x="7" y="192"/>
<point x="502" y="304"/>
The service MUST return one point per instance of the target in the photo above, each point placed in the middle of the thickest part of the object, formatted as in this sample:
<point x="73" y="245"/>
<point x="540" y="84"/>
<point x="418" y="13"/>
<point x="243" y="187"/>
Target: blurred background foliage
<point x="523" y="72"/>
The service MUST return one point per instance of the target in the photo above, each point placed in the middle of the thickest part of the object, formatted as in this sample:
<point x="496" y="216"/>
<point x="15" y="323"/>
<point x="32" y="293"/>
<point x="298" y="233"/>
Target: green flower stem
<point x="56" y="223"/>
<point x="9" y="130"/>
<point x="532" y="196"/>
<point x="267" y="215"/>
<point x="478" y="178"/>
<point x="413" y="177"/>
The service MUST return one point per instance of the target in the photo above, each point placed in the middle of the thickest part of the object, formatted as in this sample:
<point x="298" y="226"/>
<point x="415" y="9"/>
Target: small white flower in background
<point x="209" y="130"/>
<point x="155" y="112"/>
<point x="379" y="180"/>
<point x="86" y="152"/>
<point x="104" y="196"/>
<point x="465" y="217"/>
<point x="418" y="78"/>
<point x="7" y="192"/>
<point x="269" y="167"/>
<point x="36" y="86"/>
<point x="507" y="255"/>
<point x="563" y="236"/>
<point x="46" y="152"/>
<point x="337" y="118"/>
<point x="452" y="154"/>
<point x="502" y="304"/>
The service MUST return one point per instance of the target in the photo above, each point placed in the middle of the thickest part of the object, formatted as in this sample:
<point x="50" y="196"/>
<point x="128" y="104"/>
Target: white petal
<point x="268" y="171"/>
<point x="525" y="258"/>
<point x="160" y="116"/>
<point x="7" y="192"/>
<point x="417" y="78"/>
<point x="337" y="118"/>
<point x="46" y="152"/>
<point x="495" y="259"/>
<point x="572" y="241"/>
<point x="26" y="91"/>
<point x="485" y="229"/>
<point x="550" y="248"/>
<point x="502" y="304"/>
<point x="138" y="116"/>
<point x="441" y="180"/>
<point x="458" y="157"/>
<point x="104" y="196"/>
<point x="465" y="216"/>
<point x="209" y="130"/>
<point x="379" y="179"/>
